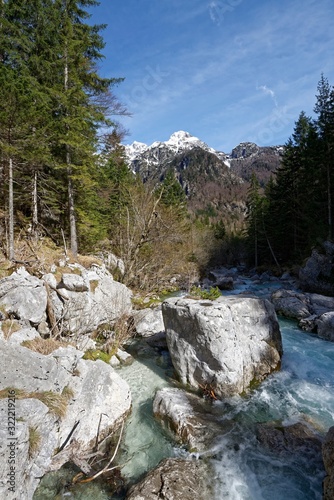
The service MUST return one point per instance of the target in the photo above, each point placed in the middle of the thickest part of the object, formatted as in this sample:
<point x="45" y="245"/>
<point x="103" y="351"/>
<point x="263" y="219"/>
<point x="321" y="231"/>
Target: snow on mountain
<point x="135" y="149"/>
<point x="177" y="143"/>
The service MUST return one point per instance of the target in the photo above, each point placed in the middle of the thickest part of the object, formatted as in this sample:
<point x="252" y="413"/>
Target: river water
<point x="303" y="390"/>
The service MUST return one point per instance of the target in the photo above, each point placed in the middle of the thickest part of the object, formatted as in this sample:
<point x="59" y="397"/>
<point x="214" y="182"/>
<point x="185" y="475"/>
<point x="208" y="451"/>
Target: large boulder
<point x="174" y="479"/>
<point x="149" y="322"/>
<point x="23" y="296"/>
<point x="101" y="300"/>
<point x="226" y="345"/>
<point x="80" y="302"/>
<point x="314" y="311"/>
<point x="291" y="304"/>
<point x="325" y="326"/>
<point x="328" y="457"/>
<point x="289" y="440"/>
<point x="60" y="398"/>
<point x="190" y="419"/>
<point x="318" y="273"/>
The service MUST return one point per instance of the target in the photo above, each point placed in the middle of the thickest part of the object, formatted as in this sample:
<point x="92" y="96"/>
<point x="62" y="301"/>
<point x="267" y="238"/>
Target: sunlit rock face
<point x="227" y="344"/>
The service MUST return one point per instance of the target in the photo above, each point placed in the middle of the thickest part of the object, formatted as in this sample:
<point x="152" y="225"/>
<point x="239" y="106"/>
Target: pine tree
<point x="254" y="218"/>
<point x="325" y="110"/>
<point x="172" y="192"/>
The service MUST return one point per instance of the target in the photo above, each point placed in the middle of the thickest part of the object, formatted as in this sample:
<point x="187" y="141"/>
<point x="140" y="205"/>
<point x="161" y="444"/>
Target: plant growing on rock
<point x="44" y="346"/>
<point x="201" y="293"/>
<point x="34" y="441"/>
<point x="9" y="326"/>
<point x="57" y="403"/>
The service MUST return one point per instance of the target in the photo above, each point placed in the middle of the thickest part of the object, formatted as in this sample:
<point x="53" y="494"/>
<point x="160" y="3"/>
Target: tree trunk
<point x="70" y="190"/>
<point x="329" y="201"/>
<point x="11" y="254"/>
<point x="255" y="244"/>
<point x="71" y="207"/>
<point x="34" y="209"/>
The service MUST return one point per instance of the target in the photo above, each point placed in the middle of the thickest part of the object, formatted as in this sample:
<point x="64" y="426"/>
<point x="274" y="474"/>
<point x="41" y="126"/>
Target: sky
<point x="226" y="71"/>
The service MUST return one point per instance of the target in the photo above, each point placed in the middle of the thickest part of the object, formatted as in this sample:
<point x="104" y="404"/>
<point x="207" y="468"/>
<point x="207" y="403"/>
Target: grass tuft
<point x="44" y="346"/>
<point x="34" y="441"/>
<point x="9" y="326"/>
<point x="57" y="403"/>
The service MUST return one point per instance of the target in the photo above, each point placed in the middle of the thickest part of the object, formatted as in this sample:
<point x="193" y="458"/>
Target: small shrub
<point x="200" y="293"/>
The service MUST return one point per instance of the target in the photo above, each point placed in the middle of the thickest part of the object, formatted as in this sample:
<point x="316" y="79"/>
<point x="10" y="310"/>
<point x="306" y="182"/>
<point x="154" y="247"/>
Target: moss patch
<point x="93" y="355"/>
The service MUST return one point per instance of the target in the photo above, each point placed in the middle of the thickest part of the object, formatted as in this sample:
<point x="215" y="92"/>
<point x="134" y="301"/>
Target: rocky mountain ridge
<point x="214" y="182"/>
<point x="245" y="157"/>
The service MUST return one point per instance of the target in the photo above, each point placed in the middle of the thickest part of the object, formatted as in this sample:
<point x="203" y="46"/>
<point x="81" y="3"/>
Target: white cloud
<point x="266" y="90"/>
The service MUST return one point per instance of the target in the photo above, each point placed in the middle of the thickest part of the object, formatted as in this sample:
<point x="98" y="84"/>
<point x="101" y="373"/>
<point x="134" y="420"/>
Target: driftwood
<point x="107" y="468"/>
<point x="70" y="451"/>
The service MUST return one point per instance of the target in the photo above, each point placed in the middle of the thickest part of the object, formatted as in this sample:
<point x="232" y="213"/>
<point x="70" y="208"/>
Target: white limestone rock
<point x="227" y="344"/>
<point x="149" y="321"/>
<point x="23" y="296"/>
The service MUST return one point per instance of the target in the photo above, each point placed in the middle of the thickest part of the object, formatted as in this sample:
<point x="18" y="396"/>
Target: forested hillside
<point x="296" y="210"/>
<point x="64" y="178"/>
<point x="63" y="174"/>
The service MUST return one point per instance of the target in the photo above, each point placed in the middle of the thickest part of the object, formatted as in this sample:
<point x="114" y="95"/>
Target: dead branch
<point x="105" y="469"/>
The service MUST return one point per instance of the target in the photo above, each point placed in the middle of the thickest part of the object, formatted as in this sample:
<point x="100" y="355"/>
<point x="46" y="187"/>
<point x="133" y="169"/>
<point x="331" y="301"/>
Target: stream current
<point x="303" y="390"/>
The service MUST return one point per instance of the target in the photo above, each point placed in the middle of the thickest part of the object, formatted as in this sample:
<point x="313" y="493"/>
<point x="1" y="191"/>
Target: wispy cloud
<point x="229" y="81"/>
<point x="267" y="91"/>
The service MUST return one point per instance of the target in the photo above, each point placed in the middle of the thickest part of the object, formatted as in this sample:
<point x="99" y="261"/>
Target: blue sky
<point x="226" y="71"/>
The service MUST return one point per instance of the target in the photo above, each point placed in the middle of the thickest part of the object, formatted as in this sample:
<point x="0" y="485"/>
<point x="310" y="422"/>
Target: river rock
<point x="318" y="273"/>
<point x="226" y="344"/>
<point x="23" y="296"/>
<point x="320" y="304"/>
<point x="325" y="326"/>
<point x="291" y="304"/>
<point x="112" y="262"/>
<point x="222" y="278"/>
<point x="94" y="390"/>
<point x="290" y="439"/>
<point x="149" y="322"/>
<point x="81" y="303"/>
<point x="174" y="479"/>
<point x="189" y="418"/>
<point x="328" y="457"/>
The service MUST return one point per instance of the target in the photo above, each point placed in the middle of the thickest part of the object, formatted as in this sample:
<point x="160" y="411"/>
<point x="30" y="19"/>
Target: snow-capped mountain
<point x="215" y="183"/>
<point x="179" y="142"/>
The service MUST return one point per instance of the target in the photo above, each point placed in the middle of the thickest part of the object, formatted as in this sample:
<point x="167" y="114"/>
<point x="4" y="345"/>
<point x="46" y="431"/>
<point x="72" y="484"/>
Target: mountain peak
<point x="179" y="142"/>
<point x="180" y="135"/>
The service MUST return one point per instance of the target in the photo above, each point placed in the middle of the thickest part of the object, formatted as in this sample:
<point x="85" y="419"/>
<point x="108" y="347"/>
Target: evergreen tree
<point x="254" y="219"/>
<point x="325" y="110"/>
<point x="172" y="192"/>
<point x="48" y="53"/>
